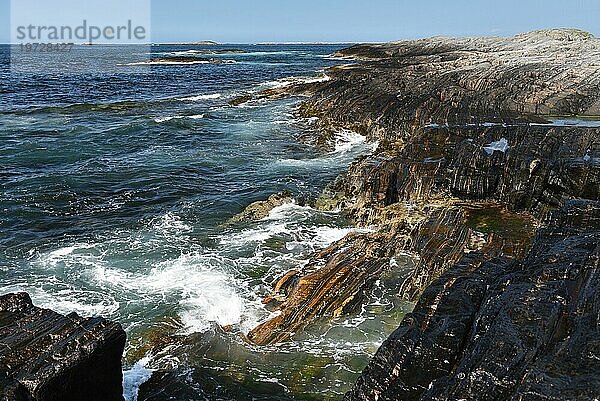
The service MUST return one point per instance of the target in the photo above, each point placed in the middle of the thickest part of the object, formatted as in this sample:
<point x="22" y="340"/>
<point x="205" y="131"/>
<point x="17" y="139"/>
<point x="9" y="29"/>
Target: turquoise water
<point x="116" y="187"/>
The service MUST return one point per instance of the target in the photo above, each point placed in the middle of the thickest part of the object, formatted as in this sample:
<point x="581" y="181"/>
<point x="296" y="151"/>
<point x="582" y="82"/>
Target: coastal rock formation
<point x="503" y="329"/>
<point x="538" y="170"/>
<point x="449" y="81"/>
<point x="349" y="266"/>
<point x="497" y="206"/>
<point x="45" y="356"/>
<point x="337" y="280"/>
<point x="468" y="160"/>
<point x="542" y="168"/>
<point x="261" y="209"/>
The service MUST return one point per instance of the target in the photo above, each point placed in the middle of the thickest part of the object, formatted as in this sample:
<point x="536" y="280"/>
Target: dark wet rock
<point x="261" y="209"/>
<point x="437" y="167"/>
<point x="465" y="161"/>
<point x="336" y="281"/>
<point x="238" y="101"/>
<point x="503" y="329"/>
<point x="45" y="356"/>
<point x="542" y="167"/>
<point x="460" y="81"/>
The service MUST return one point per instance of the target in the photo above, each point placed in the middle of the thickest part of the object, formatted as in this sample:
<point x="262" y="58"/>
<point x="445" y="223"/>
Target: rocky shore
<point x="486" y="174"/>
<point x="478" y="177"/>
<point x="503" y="329"/>
<point x="45" y="356"/>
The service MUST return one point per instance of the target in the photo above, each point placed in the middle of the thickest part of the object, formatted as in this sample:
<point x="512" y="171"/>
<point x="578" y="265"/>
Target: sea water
<point x="115" y="192"/>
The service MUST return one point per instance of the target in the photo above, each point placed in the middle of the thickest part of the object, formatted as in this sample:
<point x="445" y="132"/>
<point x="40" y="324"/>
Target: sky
<point x="252" y="21"/>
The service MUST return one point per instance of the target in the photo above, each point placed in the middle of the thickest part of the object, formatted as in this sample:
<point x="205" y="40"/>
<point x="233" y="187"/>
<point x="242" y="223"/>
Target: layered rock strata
<point x="503" y="329"/>
<point x="45" y="356"/>
<point x="467" y="159"/>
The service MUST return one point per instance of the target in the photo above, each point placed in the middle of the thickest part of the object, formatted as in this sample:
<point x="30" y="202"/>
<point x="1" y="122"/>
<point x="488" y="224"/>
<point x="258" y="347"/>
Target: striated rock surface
<point x="468" y="160"/>
<point x="503" y="329"/>
<point x="336" y="281"/>
<point x="341" y="274"/>
<point x="458" y="81"/>
<point x="543" y="167"/>
<point x="45" y="356"/>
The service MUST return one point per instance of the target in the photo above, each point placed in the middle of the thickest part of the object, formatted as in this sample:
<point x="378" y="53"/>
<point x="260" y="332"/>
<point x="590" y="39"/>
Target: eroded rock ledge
<point x="45" y="356"/>
<point x="466" y="161"/>
<point x="503" y="329"/>
<point x="447" y="81"/>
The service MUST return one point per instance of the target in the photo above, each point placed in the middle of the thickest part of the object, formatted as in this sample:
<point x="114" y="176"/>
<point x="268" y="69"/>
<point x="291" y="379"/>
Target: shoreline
<point x="444" y="223"/>
<point x="499" y="211"/>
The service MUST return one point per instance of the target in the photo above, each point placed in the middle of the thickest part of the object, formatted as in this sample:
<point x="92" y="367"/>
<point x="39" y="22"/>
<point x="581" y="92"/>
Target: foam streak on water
<point x="134" y="378"/>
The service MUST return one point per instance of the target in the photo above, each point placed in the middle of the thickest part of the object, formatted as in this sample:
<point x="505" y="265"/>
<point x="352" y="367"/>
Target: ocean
<point x="116" y="189"/>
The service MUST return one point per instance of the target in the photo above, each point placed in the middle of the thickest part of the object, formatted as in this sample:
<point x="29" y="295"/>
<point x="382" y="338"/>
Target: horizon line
<point x="200" y="43"/>
<point x="207" y="42"/>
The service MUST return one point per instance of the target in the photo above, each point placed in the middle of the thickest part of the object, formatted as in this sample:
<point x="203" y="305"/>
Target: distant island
<point x="201" y="42"/>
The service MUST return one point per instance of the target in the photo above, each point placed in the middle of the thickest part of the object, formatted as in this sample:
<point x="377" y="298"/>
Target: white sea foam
<point x="86" y="303"/>
<point x="177" y="62"/>
<point x="206" y="286"/>
<point x="67" y="256"/>
<point x="165" y="119"/>
<point x="348" y="145"/>
<point x="289" y="211"/>
<point x="134" y="378"/>
<point x="292" y="221"/>
<point x="345" y="140"/>
<point x="184" y="53"/>
<point x="199" y="283"/>
<point x="168" y="223"/>
<point x="322" y="78"/>
<point x="571" y="122"/>
<point x="283" y="82"/>
<point x="279" y="83"/>
<point x="501" y="145"/>
<point x="200" y="97"/>
<point x="203" y="284"/>
<point x="207" y="293"/>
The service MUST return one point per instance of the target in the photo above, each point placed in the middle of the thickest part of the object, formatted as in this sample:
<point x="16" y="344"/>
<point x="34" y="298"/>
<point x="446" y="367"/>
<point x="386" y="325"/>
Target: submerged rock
<point x="45" y="356"/>
<point x="215" y="365"/>
<point x="240" y="100"/>
<point x="261" y="209"/>
<point x="504" y="329"/>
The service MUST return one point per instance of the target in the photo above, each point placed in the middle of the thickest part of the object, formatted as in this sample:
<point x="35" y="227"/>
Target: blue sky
<point x="249" y="21"/>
